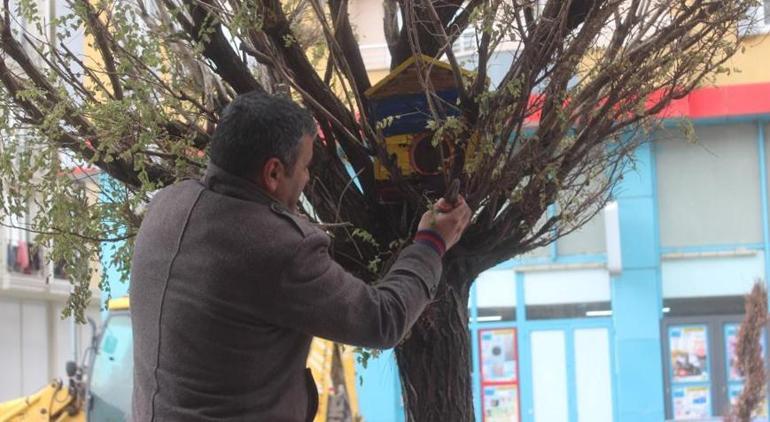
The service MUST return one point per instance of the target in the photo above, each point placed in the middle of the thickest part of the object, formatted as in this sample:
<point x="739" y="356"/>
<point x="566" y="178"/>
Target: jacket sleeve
<point x="318" y="297"/>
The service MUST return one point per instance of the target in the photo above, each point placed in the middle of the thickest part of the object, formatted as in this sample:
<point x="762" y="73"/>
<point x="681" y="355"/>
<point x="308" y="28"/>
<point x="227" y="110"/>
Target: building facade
<point x="36" y="341"/>
<point x="557" y="336"/>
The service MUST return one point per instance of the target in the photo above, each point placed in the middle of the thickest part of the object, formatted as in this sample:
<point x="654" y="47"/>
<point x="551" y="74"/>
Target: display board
<point x="499" y="363"/>
<point x="691" y="402"/>
<point x="688" y="345"/>
<point x="689" y="375"/>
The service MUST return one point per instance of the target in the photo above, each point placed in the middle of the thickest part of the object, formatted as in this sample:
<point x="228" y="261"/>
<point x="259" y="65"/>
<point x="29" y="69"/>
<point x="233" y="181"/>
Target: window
<point x="496" y="296"/>
<point x="692" y="179"/>
<point x="700" y="286"/>
<point x="758" y="20"/>
<point x="466" y="42"/>
<point x="567" y="294"/>
<point x="112" y="374"/>
<point x="588" y="239"/>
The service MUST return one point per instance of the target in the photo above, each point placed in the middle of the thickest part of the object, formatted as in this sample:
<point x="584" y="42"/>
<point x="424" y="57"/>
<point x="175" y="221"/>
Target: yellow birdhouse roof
<point x="404" y="80"/>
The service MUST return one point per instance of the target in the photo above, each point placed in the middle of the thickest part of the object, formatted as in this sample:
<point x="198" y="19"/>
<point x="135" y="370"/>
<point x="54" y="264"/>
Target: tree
<point x="749" y="353"/>
<point x="142" y="105"/>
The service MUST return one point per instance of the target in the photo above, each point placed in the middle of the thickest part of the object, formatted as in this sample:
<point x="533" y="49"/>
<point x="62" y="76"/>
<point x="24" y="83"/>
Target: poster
<point x="498" y="356"/>
<point x="689" y="353"/>
<point x="691" y="402"/>
<point x="731" y="338"/>
<point x="501" y="403"/>
<point x="734" y="390"/>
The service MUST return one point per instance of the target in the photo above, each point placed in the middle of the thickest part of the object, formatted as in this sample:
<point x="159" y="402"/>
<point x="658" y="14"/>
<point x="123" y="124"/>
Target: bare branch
<point x="101" y="37"/>
<point x="206" y="30"/>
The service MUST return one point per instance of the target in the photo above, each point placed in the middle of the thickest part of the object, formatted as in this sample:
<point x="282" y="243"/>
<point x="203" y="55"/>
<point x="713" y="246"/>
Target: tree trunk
<point x="434" y="360"/>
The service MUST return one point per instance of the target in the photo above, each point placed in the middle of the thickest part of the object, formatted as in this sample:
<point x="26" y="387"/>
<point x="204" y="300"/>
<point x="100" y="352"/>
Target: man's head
<point x="268" y="140"/>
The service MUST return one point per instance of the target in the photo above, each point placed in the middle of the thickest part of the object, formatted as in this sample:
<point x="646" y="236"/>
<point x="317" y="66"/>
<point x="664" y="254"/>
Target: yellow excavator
<point x="99" y="390"/>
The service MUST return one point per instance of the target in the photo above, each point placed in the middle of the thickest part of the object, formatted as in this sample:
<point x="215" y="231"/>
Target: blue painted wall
<point x="379" y="395"/>
<point x="117" y="288"/>
<point x="636" y="298"/>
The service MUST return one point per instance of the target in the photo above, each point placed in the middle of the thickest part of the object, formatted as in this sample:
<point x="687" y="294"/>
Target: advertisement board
<point x="688" y="346"/>
<point x="499" y="363"/>
<point x="691" y="402"/>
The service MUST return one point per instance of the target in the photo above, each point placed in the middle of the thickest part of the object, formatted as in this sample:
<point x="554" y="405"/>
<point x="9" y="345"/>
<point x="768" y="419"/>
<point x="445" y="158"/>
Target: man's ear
<point x="271" y="174"/>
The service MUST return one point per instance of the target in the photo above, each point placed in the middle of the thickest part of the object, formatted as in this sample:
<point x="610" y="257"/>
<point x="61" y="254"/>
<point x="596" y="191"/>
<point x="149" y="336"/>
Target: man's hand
<point x="448" y="220"/>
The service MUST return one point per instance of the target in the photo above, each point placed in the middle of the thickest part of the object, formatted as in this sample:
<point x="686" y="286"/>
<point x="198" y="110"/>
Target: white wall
<point x="701" y="277"/>
<point x="35" y="344"/>
<point x="10" y="349"/>
<point x="366" y="17"/>
<point x="496" y="288"/>
<point x="568" y="286"/>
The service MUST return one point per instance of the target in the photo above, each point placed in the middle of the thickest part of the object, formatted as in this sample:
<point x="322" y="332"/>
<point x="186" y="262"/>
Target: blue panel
<point x="638" y="179"/>
<point x="112" y="275"/>
<point x="638" y="233"/>
<point x="636" y="297"/>
<point x="640" y="380"/>
<point x="636" y="306"/>
<point x="412" y="111"/>
<point x="379" y="397"/>
<point x="526" y="397"/>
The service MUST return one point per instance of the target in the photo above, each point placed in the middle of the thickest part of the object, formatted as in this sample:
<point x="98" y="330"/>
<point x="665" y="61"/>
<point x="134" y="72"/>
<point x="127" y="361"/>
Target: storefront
<point x="556" y="337"/>
<point x="548" y="354"/>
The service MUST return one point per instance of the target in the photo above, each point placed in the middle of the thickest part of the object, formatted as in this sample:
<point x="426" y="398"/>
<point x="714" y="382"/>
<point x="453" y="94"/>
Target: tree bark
<point x="434" y="358"/>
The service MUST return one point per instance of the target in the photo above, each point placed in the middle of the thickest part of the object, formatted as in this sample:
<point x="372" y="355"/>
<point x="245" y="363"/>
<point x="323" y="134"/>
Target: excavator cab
<point x="110" y="374"/>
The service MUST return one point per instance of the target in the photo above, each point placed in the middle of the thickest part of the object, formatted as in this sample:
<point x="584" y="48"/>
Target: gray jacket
<point x="227" y="288"/>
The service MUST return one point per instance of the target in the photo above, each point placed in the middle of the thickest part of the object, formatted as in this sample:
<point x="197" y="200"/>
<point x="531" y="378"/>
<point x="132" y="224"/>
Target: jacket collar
<point x="221" y="181"/>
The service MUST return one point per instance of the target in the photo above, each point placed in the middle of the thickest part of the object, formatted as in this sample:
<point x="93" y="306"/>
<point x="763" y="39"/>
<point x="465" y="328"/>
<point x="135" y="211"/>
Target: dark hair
<point x="255" y="127"/>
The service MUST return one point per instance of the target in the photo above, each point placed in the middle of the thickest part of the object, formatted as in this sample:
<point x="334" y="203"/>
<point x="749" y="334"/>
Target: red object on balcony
<point x="22" y="256"/>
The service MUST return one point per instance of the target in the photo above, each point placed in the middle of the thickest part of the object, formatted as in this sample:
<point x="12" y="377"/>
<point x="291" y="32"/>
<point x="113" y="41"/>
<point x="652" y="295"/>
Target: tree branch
<point x="425" y="38"/>
<point x="206" y="30"/>
<point x="101" y="36"/>
<point x="343" y="33"/>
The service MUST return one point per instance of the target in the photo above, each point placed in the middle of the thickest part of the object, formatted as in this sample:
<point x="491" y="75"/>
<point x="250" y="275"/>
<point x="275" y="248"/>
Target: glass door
<point x="571" y="376"/>
<point x="702" y="379"/>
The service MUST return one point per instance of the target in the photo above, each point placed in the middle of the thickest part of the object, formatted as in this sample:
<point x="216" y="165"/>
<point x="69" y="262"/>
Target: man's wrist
<point x="431" y="239"/>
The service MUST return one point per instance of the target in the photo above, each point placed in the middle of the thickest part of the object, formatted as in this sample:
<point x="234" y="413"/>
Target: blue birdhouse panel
<point x="410" y="112"/>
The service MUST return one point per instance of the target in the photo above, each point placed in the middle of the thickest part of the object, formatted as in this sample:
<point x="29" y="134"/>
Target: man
<point x="228" y="283"/>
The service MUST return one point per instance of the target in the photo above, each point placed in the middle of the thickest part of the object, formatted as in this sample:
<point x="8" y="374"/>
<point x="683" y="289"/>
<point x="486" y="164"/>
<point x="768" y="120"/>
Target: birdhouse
<point x="399" y="106"/>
